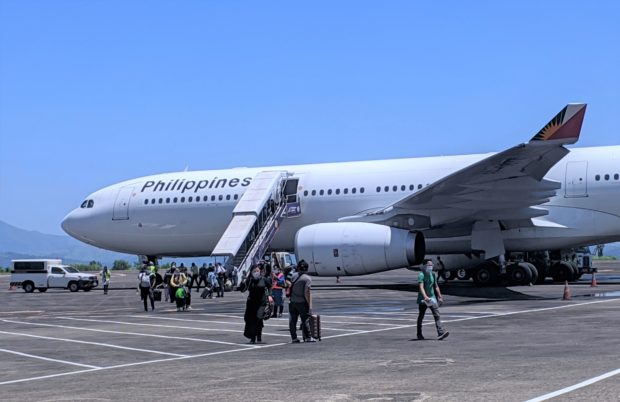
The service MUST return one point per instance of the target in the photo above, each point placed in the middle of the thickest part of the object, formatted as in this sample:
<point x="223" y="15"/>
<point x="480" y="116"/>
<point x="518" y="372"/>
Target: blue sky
<point x="96" y="92"/>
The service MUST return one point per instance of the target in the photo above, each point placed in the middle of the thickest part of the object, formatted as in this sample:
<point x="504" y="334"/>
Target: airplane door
<point x="121" y="205"/>
<point x="576" y="184"/>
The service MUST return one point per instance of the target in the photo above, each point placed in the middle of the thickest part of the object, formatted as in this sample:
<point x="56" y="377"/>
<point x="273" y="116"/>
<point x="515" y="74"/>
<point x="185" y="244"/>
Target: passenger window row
<point x="190" y="199"/>
<point x="87" y="204"/>
<point x="607" y="177"/>
<point x="337" y="191"/>
<point x="403" y="187"/>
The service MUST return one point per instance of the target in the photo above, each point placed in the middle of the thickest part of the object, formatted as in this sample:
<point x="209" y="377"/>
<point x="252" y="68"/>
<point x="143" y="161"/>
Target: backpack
<point x="145" y="280"/>
<point x="180" y="293"/>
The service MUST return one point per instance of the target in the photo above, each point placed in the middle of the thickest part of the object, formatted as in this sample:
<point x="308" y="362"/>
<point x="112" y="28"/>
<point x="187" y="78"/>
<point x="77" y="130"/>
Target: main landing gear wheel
<point x="562" y="271"/>
<point x="447" y="275"/>
<point x="462" y="274"/>
<point x="534" y="271"/>
<point x="519" y="274"/>
<point x="486" y="274"/>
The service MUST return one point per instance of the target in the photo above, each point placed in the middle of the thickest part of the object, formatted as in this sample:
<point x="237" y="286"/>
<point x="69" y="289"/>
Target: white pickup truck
<point x="46" y="274"/>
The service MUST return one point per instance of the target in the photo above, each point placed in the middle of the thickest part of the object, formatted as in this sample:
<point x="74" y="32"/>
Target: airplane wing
<point x="500" y="191"/>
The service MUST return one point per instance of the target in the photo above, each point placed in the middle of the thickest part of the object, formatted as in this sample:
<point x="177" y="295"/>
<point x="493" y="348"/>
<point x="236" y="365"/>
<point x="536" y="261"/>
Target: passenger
<point x="152" y="268"/>
<point x="144" y="282"/>
<point x="259" y="289"/>
<point x="301" y="303"/>
<point x="235" y="277"/>
<point x="427" y="283"/>
<point x="183" y="298"/>
<point x="202" y="277"/>
<point x="168" y="293"/>
<point x="177" y="280"/>
<point x="194" y="276"/>
<point x="220" y="272"/>
<point x="212" y="279"/>
<point x="105" y="279"/>
<point x="277" y="279"/>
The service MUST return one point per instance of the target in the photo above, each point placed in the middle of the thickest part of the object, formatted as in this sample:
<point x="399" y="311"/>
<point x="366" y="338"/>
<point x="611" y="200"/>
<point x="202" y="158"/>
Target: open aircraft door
<point x="121" y="205"/>
<point x="576" y="184"/>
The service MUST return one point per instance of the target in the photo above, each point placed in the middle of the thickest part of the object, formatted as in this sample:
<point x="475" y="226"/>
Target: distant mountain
<point x="18" y="243"/>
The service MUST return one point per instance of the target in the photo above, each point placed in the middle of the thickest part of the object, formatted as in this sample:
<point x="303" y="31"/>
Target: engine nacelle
<point x="357" y="248"/>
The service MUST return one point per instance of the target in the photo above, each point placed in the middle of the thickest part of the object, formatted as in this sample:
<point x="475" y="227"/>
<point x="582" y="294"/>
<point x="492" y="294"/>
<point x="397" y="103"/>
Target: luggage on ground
<point x="315" y="326"/>
<point x="157" y="294"/>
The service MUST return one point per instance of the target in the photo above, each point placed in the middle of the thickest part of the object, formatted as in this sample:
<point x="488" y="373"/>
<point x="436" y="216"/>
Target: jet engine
<point x="357" y="248"/>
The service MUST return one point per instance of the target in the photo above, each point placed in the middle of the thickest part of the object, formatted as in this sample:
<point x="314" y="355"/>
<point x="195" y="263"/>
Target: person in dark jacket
<point x="259" y="288"/>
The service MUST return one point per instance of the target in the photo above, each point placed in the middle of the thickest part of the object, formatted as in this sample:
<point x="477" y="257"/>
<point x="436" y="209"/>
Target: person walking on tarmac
<point x="105" y="279"/>
<point x="177" y="280"/>
<point x="427" y="282"/>
<point x="301" y="303"/>
<point x="277" y="277"/>
<point x="258" y="286"/>
<point x="220" y="273"/>
<point x="144" y="282"/>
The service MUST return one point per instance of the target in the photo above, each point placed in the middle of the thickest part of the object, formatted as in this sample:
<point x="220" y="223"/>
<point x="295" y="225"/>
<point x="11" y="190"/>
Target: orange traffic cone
<point x="567" y="295"/>
<point x="593" y="284"/>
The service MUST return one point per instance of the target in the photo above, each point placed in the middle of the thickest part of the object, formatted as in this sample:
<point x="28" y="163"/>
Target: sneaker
<point x="295" y="341"/>
<point x="189" y="308"/>
<point x="443" y="336"/>
<point x="310" y="340"/>
<point x="420" y="338"/>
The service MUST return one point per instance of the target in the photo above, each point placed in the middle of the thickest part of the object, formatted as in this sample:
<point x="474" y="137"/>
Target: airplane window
<point x="306" y="193"/>
<point x="205" y="198"/>
<point x="313" y="192"/>
<point x="329" y="192"/>
<point x="190" y="199"/>
<point x="411" y="187"/>
<point x="236" y="197"/>
<point x="182" y="199"/>
<point x="175" y="200"/>
<point x="321" y="192"/>
<point x="419" y="186"/>
<point x="153" y="201"/>
<point x="597" y="177"/>
<point x="346" y="191"/>
<point x="227" y="197"/>
<point x="353" y="190"/>
<point x="386" y="188"/>
<point x="168" y="200"/>
<point x="403" y="187"/>
<point x="91" y="203"/>
<point x="606" y="177"/>
<point x="395" y="188"/>
<point x="84" y="204"/>
<point x="146" y="202"/>
<point x="616" y="176"/>
<point x="212" y="198"/>
<point x="362" y="190"/>
<point x="220" y="197"/>
<point x="378" y="189"/>
<point x="161" y="200"/>
<point x="337" y="191"/>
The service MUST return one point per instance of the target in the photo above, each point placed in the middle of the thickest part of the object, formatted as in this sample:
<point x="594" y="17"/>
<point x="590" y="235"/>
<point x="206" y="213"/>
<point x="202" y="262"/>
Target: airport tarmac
<point x="505" y="344"/>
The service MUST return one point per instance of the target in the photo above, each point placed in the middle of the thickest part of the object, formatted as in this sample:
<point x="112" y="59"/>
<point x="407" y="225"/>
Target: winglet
<point x="565" y="126"/>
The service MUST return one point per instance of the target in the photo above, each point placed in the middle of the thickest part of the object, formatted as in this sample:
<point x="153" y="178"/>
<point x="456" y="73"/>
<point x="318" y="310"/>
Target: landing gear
<point x="462" y="274"/>
<point x="562" y="271"/>
<point x="519" y="274"/>
<point x="447" y="275"/>
<point x="487" y="273"/>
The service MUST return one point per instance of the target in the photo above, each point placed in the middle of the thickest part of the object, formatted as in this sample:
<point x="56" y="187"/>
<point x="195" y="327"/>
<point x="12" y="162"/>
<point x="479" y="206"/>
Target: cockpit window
<point x="91" y="203"/>
<point x="84" y="204"/>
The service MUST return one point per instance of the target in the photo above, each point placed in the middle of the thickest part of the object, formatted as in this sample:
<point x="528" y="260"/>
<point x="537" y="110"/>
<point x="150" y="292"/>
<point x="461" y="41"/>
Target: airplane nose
<point x="69" y="224"/>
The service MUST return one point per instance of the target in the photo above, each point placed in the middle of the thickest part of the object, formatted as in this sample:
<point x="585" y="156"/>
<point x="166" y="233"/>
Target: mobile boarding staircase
<point x="256" y="219"/>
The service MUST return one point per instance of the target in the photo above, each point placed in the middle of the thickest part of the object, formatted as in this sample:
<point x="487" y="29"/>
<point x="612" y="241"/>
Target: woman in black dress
<point x="259" y="289"/>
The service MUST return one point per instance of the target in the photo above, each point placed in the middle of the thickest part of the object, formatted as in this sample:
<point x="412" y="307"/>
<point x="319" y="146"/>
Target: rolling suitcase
<point x="315" y="326"/>
<point x="157" y="294"/>
<point x="204" y="293"/>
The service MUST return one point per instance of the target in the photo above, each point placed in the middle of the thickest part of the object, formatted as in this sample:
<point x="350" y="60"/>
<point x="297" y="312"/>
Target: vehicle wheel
<point x="534" y="272"/>
<point x="562" y="271"/>
<point x="462" y="274"/>
<point x="42" y="290"/>
<point x="519" y="274"/>
<point x="73" y="286"/>
<point x="447" y="275"/>
<point x="486" y="274"/>
<point x="28" y="287"/>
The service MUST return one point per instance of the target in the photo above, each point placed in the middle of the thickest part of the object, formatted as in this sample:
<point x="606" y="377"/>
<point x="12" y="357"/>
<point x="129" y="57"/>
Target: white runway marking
<point x="92" y="343"/>
<point x="107" y="331"/>
<point x="48" y="359"/>
<point x="21" y="312"/>
<point x="576" y="386"/>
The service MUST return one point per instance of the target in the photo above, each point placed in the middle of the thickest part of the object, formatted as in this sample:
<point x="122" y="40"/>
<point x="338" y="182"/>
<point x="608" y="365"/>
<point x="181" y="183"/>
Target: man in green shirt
<point x="427" y="283"/>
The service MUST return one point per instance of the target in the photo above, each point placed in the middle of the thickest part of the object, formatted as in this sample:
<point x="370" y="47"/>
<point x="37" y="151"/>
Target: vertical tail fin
<point x="565" y="126"/>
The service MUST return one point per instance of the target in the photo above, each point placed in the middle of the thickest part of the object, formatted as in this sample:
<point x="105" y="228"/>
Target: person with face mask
<point x="277" y="278"/>
<point x="427" y="283"/>
<point x="259" y="288"/>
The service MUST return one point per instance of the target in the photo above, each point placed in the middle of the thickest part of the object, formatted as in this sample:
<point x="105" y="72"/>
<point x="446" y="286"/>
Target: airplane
<point x="357" y="218"/>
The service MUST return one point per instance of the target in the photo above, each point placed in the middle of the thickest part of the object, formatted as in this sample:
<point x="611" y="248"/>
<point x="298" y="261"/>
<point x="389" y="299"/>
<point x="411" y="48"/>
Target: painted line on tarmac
<point x="48" y="359"/>
<point x="107" y="331"/>
<point x="166" y="326"/>
<point x="108" y="345"/>
<point x="323" y="321"/>
<point x="238" y="323"/>
<point x="576" y="386"/>
<point x="21" y="312"/>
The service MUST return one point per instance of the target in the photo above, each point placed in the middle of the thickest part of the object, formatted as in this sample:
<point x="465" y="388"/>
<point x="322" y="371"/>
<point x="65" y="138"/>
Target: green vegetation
<point x="604" y="258"/>
<point x="92" y="266"/>
<point x="120" y="265"/>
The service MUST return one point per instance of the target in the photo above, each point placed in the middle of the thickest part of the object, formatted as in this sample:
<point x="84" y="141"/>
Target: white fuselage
<point x="154" y="215"/>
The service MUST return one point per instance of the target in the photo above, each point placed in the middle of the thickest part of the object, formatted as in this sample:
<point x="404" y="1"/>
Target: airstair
<point x="256" y="219"/>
